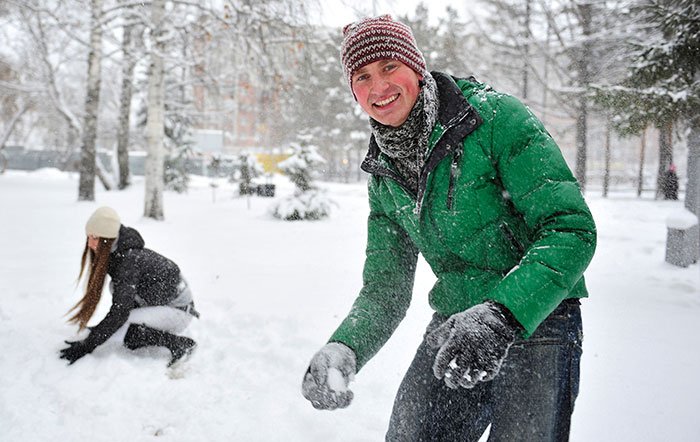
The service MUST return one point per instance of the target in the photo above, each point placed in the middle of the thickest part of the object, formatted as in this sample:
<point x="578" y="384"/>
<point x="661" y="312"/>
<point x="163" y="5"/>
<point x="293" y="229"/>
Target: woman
<point x="151" y="302"/>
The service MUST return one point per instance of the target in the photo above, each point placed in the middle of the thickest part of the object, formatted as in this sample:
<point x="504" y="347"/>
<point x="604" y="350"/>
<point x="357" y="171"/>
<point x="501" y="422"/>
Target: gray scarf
<point x="407" y="144"/>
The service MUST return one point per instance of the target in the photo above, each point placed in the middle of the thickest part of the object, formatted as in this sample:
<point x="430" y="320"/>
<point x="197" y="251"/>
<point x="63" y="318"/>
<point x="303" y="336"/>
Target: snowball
<point x="336" y="380"/>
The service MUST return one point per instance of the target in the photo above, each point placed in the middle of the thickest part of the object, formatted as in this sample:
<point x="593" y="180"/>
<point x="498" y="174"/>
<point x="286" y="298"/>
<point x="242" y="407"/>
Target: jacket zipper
<point x="454" y="167"/>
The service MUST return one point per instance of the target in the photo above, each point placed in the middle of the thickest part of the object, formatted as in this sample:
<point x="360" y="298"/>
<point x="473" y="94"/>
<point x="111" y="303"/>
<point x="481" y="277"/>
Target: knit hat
<point x="379" y="38"/>
<point x="103" y="223"/>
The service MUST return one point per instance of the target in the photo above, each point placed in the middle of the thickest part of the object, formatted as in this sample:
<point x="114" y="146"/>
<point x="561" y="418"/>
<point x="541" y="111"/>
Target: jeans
<point x="531" y="399"/>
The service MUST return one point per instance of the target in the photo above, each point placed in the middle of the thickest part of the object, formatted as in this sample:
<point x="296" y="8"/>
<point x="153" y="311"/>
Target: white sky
<point x="341" y="12"/>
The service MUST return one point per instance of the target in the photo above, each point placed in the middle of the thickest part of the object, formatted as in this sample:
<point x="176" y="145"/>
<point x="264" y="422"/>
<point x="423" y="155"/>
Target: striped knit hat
<point x="379" y="38"/>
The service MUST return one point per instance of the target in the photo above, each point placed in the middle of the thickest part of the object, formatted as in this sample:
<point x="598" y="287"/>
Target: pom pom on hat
<point x="379" y="38"/>
<point x="103" y="223"/>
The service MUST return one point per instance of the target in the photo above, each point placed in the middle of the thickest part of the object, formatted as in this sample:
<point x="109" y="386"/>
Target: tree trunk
<point x="129" y="62"/>
<point x="606" y="176"/>
<point x="581" y="132"/>
<point x="526" y="49"/>
<point x="153" y="207"/>
<point x="665" y="156"/>
<point x="642" y="152"/>
<point x="10" y="126"/>
<point x="692" y="190"/>
<point x="86" y="186"/>
<point x="545" y="76"/>
<point x="584" y="80"/>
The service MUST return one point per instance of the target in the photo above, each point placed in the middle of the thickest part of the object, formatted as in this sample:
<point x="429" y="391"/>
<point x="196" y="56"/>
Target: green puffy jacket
<point x="498" y="216"/>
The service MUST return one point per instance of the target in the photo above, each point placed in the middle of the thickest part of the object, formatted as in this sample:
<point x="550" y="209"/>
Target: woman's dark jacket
<point x="140" y="278"/>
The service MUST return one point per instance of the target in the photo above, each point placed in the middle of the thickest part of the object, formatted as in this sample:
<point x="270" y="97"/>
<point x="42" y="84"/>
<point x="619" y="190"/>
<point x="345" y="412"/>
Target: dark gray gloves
<point x="472" y="344"/>
<point x="326" y="380"/>
<point x="75" y="351"/>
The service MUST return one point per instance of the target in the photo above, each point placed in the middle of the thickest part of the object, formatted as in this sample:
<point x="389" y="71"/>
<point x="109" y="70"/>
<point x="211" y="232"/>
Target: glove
<point x="326" y="380"/>
<point x="472" y="344"/>
<point x="75" y="351"/>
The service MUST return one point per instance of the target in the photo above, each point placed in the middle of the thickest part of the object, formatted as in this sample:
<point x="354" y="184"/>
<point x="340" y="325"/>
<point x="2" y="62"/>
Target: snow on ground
<point x="271" y="292"/>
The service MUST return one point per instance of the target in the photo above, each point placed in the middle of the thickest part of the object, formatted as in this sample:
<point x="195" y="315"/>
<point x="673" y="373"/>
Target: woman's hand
<point x="74" y="351"/>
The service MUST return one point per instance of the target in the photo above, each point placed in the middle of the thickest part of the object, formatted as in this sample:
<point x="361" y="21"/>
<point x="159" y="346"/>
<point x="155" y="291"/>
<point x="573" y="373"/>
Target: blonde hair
<point x="98" y="263"/>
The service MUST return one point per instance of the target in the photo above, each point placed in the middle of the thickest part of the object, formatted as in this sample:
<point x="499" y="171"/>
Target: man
<point x="469" y="178"/>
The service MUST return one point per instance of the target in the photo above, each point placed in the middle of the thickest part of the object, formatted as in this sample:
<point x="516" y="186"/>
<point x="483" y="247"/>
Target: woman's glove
<point x="472" y="344"/>
<point x="75" y="351"/>
<point x="326" y="380"/>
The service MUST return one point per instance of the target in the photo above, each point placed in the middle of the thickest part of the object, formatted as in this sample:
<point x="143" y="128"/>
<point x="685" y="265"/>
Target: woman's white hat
<point x="103" y="223"/>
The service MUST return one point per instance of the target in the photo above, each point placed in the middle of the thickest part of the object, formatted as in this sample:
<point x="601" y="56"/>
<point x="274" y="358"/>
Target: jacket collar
<point x="458" y="119"/>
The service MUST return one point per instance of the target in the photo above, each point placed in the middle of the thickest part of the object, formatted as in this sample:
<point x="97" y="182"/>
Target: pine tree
<point x="178" y="143"/>
<point x="246" y="167"/>
<point x="662" y="85"/>
<point x="308" y="202"/>
<point x="302" y="166"/>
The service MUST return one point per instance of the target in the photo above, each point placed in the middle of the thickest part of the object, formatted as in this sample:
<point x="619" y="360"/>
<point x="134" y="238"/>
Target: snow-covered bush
<point x="308" y="202"/>
<point x="313" y="204"/>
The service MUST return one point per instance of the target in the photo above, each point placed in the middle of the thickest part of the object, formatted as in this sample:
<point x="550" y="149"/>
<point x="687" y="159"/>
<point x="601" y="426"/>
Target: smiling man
<point x="386" y="90"/>
<point x="469" y="178"/>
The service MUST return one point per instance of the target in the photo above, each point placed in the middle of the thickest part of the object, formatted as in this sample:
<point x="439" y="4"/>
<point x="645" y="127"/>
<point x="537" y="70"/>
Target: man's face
<point x="386" y="90"/>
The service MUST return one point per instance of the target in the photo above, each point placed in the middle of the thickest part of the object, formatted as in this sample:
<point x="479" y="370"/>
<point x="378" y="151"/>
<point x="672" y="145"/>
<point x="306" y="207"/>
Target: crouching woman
<point x="151" y="302"/>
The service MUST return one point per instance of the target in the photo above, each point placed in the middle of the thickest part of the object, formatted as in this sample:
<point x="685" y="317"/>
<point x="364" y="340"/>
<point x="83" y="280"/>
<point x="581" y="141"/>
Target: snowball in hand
<point x="336" y="381"/>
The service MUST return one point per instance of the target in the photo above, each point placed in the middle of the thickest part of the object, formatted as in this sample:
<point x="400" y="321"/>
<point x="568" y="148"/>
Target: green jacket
<point x="498" y="216"/>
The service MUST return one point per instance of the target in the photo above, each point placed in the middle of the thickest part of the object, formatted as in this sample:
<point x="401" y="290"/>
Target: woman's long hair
<point x="97" y="261"/>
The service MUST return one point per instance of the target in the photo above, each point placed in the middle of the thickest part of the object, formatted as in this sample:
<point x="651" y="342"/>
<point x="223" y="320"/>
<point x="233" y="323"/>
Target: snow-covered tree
<point x="661" y="86"/>
<point x="558" y="47"/>
<point x="308" y="202"/>
<point x="302" y="166"/>
<point x="321" y="108"/>
<point x="13" y="103"/>
<point x="245" y="168"/>
<point x="54" y="43"/>
<point x="86" y="187"/>
<point x="51" y="42"/>
<point x="155" y="126"/>
<point x="129" y="48"/>
<point x="176" y="176"/>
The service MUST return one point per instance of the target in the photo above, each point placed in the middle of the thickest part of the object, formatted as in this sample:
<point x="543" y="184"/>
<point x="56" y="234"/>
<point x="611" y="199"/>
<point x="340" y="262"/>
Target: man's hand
<point x="472" y="345"/>
<point x="326" y="380"/>
<point x="74" y="351"/>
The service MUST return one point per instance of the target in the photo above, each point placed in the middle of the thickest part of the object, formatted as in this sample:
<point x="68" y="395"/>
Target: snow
<point x="271" y="292"/>
<point x="336" y="381"/>
<point x="681" y="219"/>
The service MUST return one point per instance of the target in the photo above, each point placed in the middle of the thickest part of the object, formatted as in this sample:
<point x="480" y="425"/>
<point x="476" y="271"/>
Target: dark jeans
<point x="531" y="399"/>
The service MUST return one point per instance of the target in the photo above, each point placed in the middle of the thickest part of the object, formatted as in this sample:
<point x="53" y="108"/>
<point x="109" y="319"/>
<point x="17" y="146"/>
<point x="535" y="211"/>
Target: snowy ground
<point x="271" y="292"/>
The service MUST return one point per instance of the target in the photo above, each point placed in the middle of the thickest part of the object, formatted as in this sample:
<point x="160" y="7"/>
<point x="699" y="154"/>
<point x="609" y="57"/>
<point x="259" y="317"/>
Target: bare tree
<point x="86" y="187"/>
<point x="56" y="49"/>
<point x="559" y="46"/>
<point x="153" y="207"/>
<point x="128" y="66"/>
<point x="14" y="102"/>
<point x="226" y="38"/>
